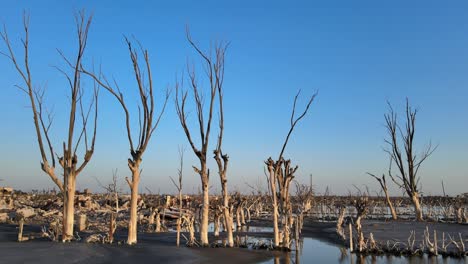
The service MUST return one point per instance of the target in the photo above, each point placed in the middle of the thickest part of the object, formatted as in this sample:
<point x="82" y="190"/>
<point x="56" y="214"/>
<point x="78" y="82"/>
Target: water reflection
<point x="310" y="250"/>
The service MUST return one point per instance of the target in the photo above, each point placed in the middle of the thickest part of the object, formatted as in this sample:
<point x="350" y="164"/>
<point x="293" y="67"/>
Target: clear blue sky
<point x="358" y="54"/>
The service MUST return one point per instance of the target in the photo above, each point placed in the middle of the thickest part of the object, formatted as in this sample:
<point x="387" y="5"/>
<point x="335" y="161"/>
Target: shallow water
<point x="315" y="251"/>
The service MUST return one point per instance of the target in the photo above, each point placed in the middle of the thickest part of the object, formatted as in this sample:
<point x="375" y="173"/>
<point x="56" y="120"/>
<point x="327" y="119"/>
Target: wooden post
<point x="20" y="232"/>
<point x="82" y="222"/>
<point x="435" y="243"/>
<point x="443" y="241"/>
<point x="350" y="238"/>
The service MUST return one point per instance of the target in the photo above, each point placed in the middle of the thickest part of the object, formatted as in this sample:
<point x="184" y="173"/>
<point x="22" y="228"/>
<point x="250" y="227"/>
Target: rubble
<point x="96" y="216"/>
<point x="4" y="217"/>
<point x="25" y="212"/>
<point x="6" y="198"/>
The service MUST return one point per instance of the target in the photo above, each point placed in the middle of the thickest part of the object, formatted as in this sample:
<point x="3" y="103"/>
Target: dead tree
<point x="361" y="203"/>
<point x="407" y="162"/>
<point x="383" y="184"/>
<point x="179" y="189"/>
<point x="280" y="176"/>
<point x="221" y="158"/>
<point x="112" y="189"/>
<point x="148" y="123"/>
<point x="76" y="136"/>
<point x="214" y="68"/>
<point x="305" y="197"/>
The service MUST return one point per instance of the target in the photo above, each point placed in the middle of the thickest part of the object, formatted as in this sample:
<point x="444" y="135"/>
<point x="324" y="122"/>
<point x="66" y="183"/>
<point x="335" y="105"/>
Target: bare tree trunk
<point x="222" y="167"/>
<point x="383" y="184"/>
<point x="205" y="216"/>
<point x="339" y="223"/>
<point x="360" y="234"/>
<point x="391" y="207"/>
<point x="287" y="233"/>
<point x="417" y="206"/>
<point x="238" y="218"/>
<point x="275" y="207"/>
<point x="179" y="220"/>
<point x="69" y="207"/>
<point x="112" y="226"/>
<point x="459" y="214"/>
<point x="216" y="224"/>
<point x="20" y="229"/>
<point x="132" y="223"/>
<point x="116" y="195"/>
<point x="158" y="222"/>
<point x="242" y="213"/>
<point x="227" y="219"/>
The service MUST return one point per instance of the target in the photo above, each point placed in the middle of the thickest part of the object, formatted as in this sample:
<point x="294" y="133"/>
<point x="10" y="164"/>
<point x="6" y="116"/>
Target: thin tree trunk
<point x="275" y="208"/>
<point x="179" y="220"/>
<point x="116" y="202"/>
<point x="205" y="216"/>
<point x="242" y="216"/>
<point x="390" y="206"/>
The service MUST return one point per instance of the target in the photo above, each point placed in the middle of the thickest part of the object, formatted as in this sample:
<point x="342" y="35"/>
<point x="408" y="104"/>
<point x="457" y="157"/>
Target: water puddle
<point x="315" y="251"/>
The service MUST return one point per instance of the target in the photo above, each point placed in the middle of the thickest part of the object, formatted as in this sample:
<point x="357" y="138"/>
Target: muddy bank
<point x="151" y="248"/>
<point x="383" y="231"/>
<point x="400" y="230"/>
<point x="160" y="247"/>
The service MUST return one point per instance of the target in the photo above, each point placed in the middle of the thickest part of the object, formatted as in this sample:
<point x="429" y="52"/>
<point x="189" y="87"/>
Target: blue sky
<point x="357" y="54"/>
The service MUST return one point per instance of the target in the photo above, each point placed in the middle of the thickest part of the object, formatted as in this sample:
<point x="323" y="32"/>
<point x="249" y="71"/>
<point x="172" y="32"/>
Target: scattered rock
<point x="25" y="212"/>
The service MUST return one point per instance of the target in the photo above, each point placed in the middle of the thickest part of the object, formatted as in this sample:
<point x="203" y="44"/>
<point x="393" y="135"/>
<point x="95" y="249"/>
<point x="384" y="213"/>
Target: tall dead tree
<point x="214" y="68"/>
<point x="76" y="136"/>
<point x="407" y="162"/>
<point x="383" y="185"/>
<point x="221" y="158"/>
<point x="148" y="123"/>
<point x="280" y="176"/>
